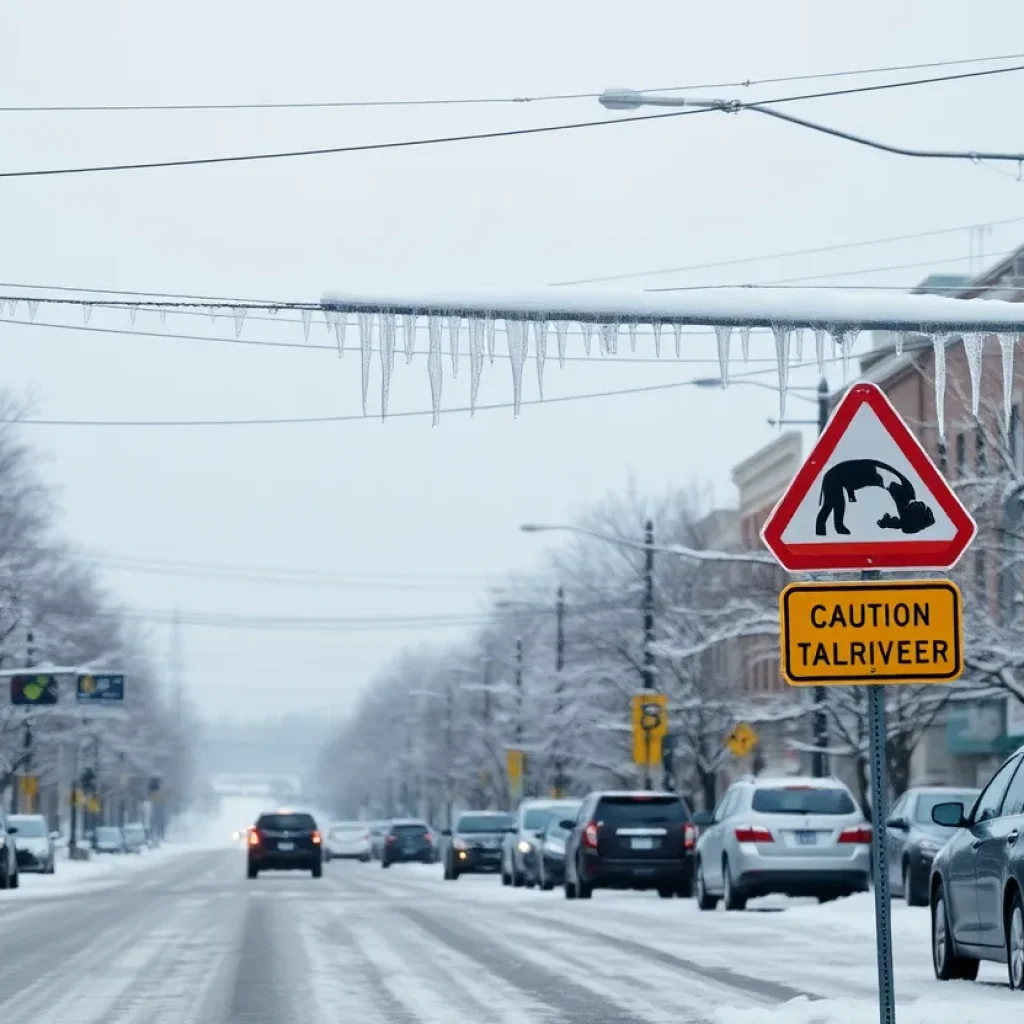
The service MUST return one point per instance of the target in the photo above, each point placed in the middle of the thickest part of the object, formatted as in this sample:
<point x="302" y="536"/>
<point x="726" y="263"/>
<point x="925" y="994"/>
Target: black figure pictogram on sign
<point x="841" y="483"/>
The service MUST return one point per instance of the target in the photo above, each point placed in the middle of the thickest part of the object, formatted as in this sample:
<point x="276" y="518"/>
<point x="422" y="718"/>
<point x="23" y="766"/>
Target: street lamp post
<point x="559" y="683"/>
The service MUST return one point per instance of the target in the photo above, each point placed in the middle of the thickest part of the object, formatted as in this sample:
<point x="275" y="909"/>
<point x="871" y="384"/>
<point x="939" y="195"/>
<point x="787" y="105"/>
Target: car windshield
<point x="485" y="823"/>
<point x="802" y="800"/>
<point x="28" y="828"/>
<point x="289" y="822"/>
<point x="926" y="802"/>
<point x="629" y="810"/>
<point x="107" y="835"/>
<point x="537" y="817"/>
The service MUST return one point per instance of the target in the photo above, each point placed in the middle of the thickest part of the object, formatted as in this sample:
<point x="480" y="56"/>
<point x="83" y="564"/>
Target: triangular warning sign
<point x="868" y="497"/>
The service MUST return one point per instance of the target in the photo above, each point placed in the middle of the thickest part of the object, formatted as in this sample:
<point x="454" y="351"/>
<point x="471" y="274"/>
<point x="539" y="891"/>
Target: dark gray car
<point x="912" y="839"/>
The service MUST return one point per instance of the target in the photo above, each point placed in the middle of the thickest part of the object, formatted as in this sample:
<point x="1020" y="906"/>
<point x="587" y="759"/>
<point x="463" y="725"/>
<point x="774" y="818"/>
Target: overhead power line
<point x="486" y="100"/>
<point x="760" y="106"/>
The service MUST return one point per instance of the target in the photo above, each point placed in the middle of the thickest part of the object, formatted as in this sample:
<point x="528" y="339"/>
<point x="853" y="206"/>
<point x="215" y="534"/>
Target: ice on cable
<point x="492" y="337"/>
<point x="973" y="342"/>
<point x="307" y="319"/>
<point x="365" y="349"/>
<point x="340" y="325"/>
<point x="476" y="360"/>
<point x="561" y="333"/>
<point x="657" y="325"/>
<point x="677" y="331"/>
<point x="515" y="334"/>
<point x="587" y="330"/>
<point x="781" y="332"/>
<point x="610" y="338"/>
<point x="745" y="343"/>
<point x="632" y="336"/>
<point x="1006" y="344"/>
<point x="435" y="368"/>
<point x="722" y="339"/>
<point x="939" y="347"/>
<point x="33" y="308"/>
<point x="388" y="330"/>
<point x="239" y="319"/>
<point x="454" y="328"/>
<point x="819" y="349"/>
<point x="798" y="344"/>
<point x="409" y="335"/>
<point x="540" y="344"/>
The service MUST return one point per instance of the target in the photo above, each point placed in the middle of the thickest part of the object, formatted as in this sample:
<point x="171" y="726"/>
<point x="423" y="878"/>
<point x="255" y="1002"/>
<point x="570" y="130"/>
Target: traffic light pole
<point x="559" y="683"/>
<point x="648" y="633"/>
<point x="819" y="760"/>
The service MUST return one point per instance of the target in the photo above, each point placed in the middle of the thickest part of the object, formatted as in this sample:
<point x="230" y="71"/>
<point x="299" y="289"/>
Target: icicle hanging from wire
<point x="12" y="306"/>
<point x="899" y="338"/>
<point x="745" y="343"/>
<point x="515" y="335"/>
<point x="163" y="316"/>
<point x="329" y="320"/>
<point x="492" y="338"/>
<point x="819" y="349"/>
<point x="657" y="327"/>
<point x="409" y="335"/>
<point x="388" y="329"/>
<point x="454" y="329"/>
<point x="587" y="330"/>
<point x="239" y="320"/>
<point x="1006" y="345"/>
<point x="365" y="350"/>
<point x="610" y="338"/>
<point x="33" y="308"/>
<point x="86" y="311"/>
<point x="972" y="343"/>
<point x="632" y="336"/>
<point x="476" y="360"/>
<point x="540" y="344"/>
<point x="722" y="335"/>
<point x="435" y="369"/>
<point x="561" y="334"/>
<point x="307" y="319"/>
<point x="340" y="326"/>
<point x="781" y="332"/>
<point x="677" y="331"/>
<point x="939" y="350"/>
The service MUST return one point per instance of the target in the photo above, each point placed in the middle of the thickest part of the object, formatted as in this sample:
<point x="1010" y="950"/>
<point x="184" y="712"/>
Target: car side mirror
<point x="567" y="825"/>
<point x="898" y="822"/>
<point x="703" y="818"/>
<point x="950" y="814"/>
<point x="11" y="829"/>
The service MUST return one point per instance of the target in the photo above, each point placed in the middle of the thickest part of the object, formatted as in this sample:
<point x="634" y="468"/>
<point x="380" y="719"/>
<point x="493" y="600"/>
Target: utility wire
<point x="761" y="106"/>
<point x="486" y="100"/>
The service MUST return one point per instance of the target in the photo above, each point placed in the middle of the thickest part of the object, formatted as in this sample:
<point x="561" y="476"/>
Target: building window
<point x="961" y="454"/>
<point x="980" y="450"/>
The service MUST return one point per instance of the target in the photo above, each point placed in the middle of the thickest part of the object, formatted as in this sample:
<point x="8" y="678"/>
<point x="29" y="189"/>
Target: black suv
<point x="476" y="842"/>
<point x="285" y="841"/>
<point x="407" y="840"/>
<point x="630" y="840"/>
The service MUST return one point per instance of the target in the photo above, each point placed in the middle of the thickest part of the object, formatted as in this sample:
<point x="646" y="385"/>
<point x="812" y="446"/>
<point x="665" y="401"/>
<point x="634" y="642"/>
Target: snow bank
<point x="959" y="1004"/>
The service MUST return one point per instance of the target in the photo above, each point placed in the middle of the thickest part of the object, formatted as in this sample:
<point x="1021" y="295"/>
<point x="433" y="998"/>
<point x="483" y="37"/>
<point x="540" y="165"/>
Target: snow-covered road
<point x="188" y="940"/>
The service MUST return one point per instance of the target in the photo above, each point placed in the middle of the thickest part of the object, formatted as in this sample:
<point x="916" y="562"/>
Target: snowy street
<point x="188" y="940"/>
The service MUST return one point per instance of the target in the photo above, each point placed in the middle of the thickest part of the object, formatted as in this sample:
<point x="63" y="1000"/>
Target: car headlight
<point x="523" y="846"/>
<point x="459" y="844"/>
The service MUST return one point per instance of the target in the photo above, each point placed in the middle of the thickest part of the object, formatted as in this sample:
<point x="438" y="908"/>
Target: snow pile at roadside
<point x="959" y="1004"/>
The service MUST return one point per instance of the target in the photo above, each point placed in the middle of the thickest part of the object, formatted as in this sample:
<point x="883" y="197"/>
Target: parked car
<point x="134" y="837"/>
<point x="9" y="875"/>
<point x="800" y="837"/>
<point x="517" y="848"/>
<point x="977" y="880"/>
<point x="407" y="839"/>
<point x="348" y="840"/>
<point x="912" y="839"/>
<point x="549" y="851"/>
<point x="630" y="840"/>
<point x="108" y="839"/>
<point x="474" y="845"/>
<point x="34" y="843"/>
<point x="285" y="841"/>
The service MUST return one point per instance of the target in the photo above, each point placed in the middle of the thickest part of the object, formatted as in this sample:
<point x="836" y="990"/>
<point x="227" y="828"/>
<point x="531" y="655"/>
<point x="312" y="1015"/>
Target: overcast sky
<point x="382" y="512"/>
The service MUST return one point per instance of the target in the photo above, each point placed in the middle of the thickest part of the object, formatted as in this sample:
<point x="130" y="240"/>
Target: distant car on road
<point x="976" y="890"/>
<point x="517" y="854"/>
<point x="9" y="877"/>
<point x="912" y="839"/>
<point x="108" y="839"/>
<point x="407" y="839"/>
<point x="549" y="850"/>
<point x="348" y="840"/>
<point x="474" y="844"/>
<point x="285" y="841"/>
<point x="630" y="840"/>
<point x="134" y="837"/>
<point x="800" y="837"/>
<point x="33" y="843"/>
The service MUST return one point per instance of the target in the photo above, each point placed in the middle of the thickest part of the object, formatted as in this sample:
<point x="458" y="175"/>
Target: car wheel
<point x="1015" y="943"/>
<point x="570" y="889"/>
<point x="584" y="890"/>
<point x="542" y="880"/>
<point x="911" y="889"/>
<point x="732" y="898"/>
<point x="385" y="863"/>
<point x="705" y="901"/>
<point x="15" y="879"/>
<point x="947" y="963"/>
<point x="666" y="892"/>
<point x="517" y="878"/>
<point x="252" y="872"/>
<point x="505" y="879"/>
<point x="317" y="870"/>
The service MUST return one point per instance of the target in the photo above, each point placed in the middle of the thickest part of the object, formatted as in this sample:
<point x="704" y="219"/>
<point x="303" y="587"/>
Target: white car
<point x="348" y="840"/>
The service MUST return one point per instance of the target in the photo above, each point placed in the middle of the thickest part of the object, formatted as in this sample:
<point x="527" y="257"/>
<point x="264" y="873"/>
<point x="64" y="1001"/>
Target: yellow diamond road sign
<point x="741" y="740"/>
<point x="908" y="631"/>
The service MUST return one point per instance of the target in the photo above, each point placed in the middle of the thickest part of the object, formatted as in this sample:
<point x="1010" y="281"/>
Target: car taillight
<point x="391" y="838"/>
<point x="753" y="834"/>
<point x="254" y="837"/>
<point x="316" y="838"/>
<point x="689" y="837"/>
<point x="590" y="835"/>
<point x="856" y="834"/>
<point x="428" y="837"/>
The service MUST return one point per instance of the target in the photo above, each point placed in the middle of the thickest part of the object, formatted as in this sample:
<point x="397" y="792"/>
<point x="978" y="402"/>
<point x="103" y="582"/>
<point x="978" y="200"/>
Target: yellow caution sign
<point x="515" y="762"/>
<point x="28" y="790"/>
<point x="853" y="633"/>
<point x="93" y="804"/>
<point x="741" y="740"/>
<point x="650" y="726"/>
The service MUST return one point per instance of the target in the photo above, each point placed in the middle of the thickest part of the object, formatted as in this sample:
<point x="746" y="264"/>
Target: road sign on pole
<point x="100" y="689"/>
<point x="34" y="689"/>
<point x="850" y="633"/>
<point x="650" y="726"/>
<point x="742" y="739"/>
<point x="868" y="497"/>
<point x="515" y="763"/>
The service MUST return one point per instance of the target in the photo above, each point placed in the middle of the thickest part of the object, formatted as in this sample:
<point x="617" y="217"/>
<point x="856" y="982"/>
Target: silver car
<point x="801" y="837"/>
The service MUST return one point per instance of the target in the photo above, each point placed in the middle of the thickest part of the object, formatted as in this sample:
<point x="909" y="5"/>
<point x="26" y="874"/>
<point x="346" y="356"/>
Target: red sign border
<point x="924" y="555"/>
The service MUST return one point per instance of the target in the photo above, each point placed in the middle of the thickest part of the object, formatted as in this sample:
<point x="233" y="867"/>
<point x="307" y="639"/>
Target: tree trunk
<point x="708" y="787"/>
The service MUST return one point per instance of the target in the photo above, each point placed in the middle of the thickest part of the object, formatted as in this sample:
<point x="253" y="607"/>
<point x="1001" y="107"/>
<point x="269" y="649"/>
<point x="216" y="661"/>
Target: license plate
<point x="286" y="846"/>
<point x="643" y="844"/>
<point x="806" y="838"/>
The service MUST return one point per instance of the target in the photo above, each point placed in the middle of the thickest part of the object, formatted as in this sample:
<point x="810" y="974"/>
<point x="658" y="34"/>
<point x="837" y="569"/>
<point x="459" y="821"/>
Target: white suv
<point x="801" y="837"/>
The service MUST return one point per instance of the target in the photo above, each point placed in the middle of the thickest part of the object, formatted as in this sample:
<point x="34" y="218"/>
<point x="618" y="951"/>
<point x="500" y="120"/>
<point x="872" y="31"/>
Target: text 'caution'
<point x="900" y="632"/>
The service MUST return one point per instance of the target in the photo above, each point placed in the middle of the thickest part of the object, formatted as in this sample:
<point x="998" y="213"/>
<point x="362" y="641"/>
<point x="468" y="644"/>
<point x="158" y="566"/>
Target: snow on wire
<point x="833" y="314"/>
